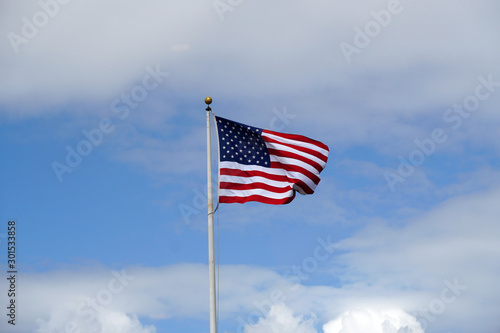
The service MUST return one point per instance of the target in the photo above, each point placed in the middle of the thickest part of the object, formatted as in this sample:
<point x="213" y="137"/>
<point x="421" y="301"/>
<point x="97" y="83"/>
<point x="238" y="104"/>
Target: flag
<point x="266" y="166"/>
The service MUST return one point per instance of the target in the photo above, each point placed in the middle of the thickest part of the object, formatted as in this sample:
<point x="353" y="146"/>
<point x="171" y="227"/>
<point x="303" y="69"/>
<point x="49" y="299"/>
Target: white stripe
<point x="250" y="180"/>
<point x="257" y="191"/>
<point x="323" y="152"/>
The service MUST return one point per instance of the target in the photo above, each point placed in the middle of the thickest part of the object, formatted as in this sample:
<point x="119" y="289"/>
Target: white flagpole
<point x="211" y="249"/>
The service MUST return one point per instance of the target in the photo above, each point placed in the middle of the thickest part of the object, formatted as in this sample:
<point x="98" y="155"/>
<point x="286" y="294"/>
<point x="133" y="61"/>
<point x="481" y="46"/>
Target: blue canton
<point x="241" y="143"/>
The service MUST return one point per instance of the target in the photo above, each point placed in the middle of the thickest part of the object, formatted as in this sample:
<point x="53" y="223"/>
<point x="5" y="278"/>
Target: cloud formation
<point x="106" y="322"/>
<point x="374" y="321"/>
<point x="281" y="320"/>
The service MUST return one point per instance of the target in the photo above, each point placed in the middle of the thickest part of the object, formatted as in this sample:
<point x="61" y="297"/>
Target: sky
<point x="103" y="139"/>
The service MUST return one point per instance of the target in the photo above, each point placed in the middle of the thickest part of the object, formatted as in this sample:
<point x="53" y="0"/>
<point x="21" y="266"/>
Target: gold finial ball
<point x="208" y="100"/>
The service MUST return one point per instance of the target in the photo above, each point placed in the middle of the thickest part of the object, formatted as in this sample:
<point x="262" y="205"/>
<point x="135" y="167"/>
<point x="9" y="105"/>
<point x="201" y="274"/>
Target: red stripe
<point x="257" y="198"/>
<point x="305" y="150"/>
<point x="297" y="157"/>
<point x="253" y="186"/>
<point x="298" y="138"/>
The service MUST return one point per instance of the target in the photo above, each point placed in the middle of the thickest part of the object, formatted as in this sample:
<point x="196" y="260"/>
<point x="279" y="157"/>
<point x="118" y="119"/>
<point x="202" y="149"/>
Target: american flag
<point x="266" y="166"/>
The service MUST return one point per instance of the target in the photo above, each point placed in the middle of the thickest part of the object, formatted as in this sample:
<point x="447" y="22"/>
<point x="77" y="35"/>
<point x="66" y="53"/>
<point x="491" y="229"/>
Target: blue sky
<point x="401" y="234"/>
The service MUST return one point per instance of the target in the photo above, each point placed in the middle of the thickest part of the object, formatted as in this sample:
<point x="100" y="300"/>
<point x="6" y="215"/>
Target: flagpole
<point x="211" y="248"/>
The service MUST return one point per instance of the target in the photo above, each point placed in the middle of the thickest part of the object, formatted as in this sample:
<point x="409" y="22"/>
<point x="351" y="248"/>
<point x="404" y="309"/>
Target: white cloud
<point x="280" y="319"/>
<point x="454" y="244"/>
<point x="95" y="49"/>
<point x="91" y="52"/>
<point x="116" y="322"/>
<point x="105" y="322"/>
<point x="454" y="232"/>
<point x="374" y="321"/>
